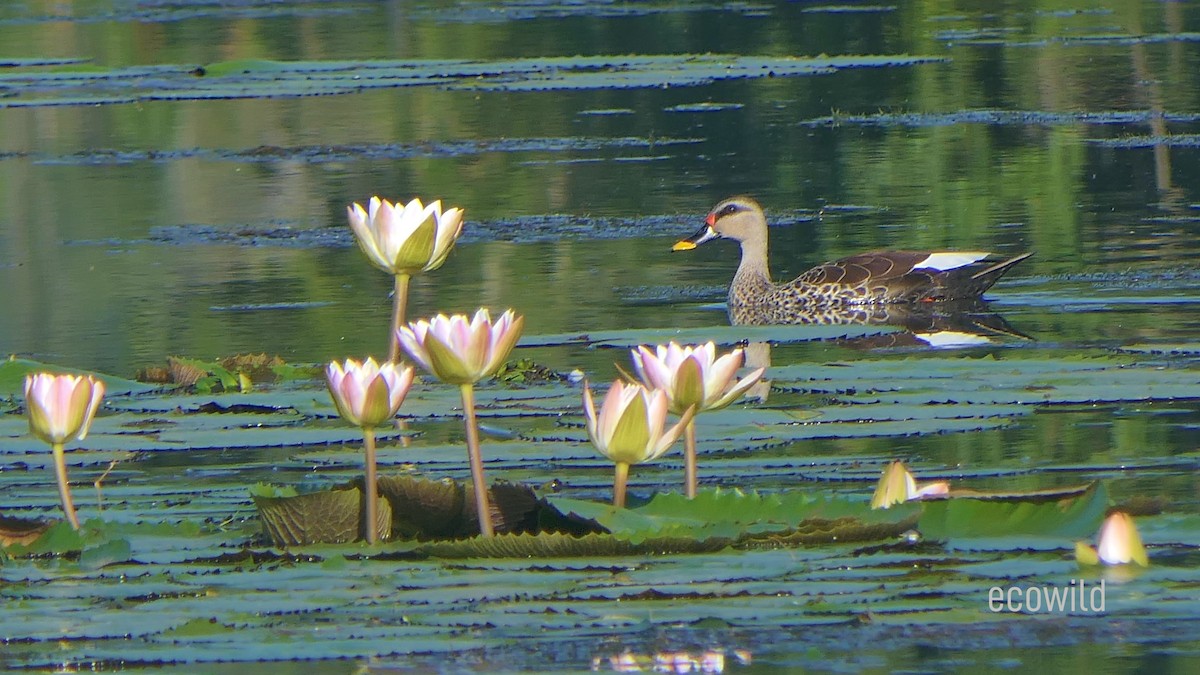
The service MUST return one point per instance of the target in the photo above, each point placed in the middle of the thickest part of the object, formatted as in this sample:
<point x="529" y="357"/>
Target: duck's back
<point x="888" y="277"/>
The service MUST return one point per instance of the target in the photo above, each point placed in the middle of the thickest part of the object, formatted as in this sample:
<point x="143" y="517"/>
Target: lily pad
<point x="13" y="372"/>
<point x="428" y="509"/>
<point x="733" y="515"/>
<point x="262" y="78"/>
<point x="1060" y="515"/>
<point x="562" y="545"/>
<point x="328" y="516"/>
<point x="21" y="531"/>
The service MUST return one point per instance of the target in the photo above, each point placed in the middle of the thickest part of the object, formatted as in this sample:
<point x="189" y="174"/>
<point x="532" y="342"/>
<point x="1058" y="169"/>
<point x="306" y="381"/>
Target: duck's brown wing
<point x="865" y="268"/>
<point x="894" y="276"/>
<point x="879" y="276"/>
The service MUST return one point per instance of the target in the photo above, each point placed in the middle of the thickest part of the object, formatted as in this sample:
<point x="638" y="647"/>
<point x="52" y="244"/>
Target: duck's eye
<point x="729" y="209"/>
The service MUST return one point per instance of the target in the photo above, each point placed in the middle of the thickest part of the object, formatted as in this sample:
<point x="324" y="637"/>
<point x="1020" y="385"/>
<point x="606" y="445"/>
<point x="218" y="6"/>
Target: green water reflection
<point x="1042" y="186"/>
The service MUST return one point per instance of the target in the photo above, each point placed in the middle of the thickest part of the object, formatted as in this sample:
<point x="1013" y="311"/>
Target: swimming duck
<point x="875" y="278"/>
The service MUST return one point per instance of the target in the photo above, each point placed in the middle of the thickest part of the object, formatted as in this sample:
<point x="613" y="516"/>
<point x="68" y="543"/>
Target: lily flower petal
<point x="365" y="393"/>
<point x="405" y="239"/>
<point x="458" y="350"/>
<point x="1119" y="542"/>
<point x="630" y="427"/>
<point x="694" y="375"/>
<point x="61" y="407"/>
<point x="895" y="486"/>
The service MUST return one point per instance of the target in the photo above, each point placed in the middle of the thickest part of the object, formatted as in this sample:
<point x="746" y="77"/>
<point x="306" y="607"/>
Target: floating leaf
<point x="21" y="531"/>
<point x="107" y="553"/>
<point x="57" y="539"/>
<point x="272" y="491"/>
<point x="198" y="627"/>
<point x="959" y="381"/>
<point x="13" y="372"/>
<point x="261" y="78"/>
<point x="428" y="509"/>
<point x="733" y="515"/>
<point x="556" y="545"/>
<point x="1048" y="514"/>
<point x="328" y="516"/>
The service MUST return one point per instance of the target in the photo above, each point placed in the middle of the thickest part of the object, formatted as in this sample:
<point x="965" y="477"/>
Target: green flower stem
<point x="370" y="489"/>
<point x="689" y="459"/>
<point x="619" y="481"/>
<point x="64" y="488"/>
<point x="482" y="508"/>
<point x="399" y="307"/>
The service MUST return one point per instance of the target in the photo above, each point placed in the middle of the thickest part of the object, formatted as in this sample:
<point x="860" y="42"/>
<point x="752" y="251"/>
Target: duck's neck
<point x="753" y="277"/>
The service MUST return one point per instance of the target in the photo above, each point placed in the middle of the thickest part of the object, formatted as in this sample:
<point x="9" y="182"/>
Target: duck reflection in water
<point x="935" y="296"/>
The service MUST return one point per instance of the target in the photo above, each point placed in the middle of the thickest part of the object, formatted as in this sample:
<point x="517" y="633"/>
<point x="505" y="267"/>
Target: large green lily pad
<point x="261" y="78"/>
<point x="736" y="516"/>
<point x="14" y="370"/>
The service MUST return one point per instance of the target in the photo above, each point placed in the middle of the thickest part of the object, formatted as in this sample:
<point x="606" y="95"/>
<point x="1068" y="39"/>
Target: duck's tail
<point x="986" y="277"/>
<point x="965" y="283"/>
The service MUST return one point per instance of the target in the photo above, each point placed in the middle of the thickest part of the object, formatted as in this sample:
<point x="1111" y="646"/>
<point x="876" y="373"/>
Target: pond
<point x="174" y="178"/>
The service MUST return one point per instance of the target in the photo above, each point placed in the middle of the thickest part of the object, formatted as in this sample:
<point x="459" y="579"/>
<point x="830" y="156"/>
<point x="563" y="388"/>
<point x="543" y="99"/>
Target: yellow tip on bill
<point x="684" y="245"/>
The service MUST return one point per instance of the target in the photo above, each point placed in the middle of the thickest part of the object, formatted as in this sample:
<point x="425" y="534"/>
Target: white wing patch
<point x="949" y="339"/>
<point x="950" y="260"/>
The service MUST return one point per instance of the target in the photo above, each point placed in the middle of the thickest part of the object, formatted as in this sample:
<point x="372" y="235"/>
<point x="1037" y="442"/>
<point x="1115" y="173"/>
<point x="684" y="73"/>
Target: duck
<point x="858" y="282"/>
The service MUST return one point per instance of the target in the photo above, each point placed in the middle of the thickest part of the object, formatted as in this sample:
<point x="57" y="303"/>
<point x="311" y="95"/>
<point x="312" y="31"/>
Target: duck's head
<point x="737" y="218"/>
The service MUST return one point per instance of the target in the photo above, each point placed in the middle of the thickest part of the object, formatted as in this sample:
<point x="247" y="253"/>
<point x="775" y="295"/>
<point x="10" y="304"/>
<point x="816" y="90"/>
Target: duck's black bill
<point x="702" y="235"/>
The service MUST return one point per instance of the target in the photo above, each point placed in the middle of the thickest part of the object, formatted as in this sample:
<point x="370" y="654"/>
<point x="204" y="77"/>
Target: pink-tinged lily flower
<point x="61" y="409"/>
<point x="404" y="240"/>
<point x="1119" y="544"/>
<point x="897" y="485"/>
<point x="462" y="351"/>
<point x="693" y="377"/>
<point x="367" y="395"/>
<point x="631" y="428"/>
<point x="458" y="350"/>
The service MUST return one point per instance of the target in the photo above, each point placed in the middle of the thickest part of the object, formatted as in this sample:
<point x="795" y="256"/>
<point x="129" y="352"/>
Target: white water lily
<point x="462" y="351"/>
<point x="405" y="239"/>
<point x="897" y="486"/>
<point x="1118" y="544"/>
<point x="458" y="350"/>
<point x="693" y="377"/>
<point x="630" y="428"/>
<point x="367" y="395"/>
<point x="61" y="408"/>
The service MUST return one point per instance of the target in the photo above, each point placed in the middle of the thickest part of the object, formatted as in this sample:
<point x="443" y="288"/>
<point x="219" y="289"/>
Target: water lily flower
<point x="458" y="350"/>
<point x="631" y="428"/>
<point x="709" y="661"/>
<point x="463" y="351"/>
<point x="367" y="395"/>
<point x="897" y="485"/>
<point x="693" y="377"/>
<point x="61" y="409"/>
<point x="1118" y="544"/>
<point x="404" y="240"/>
